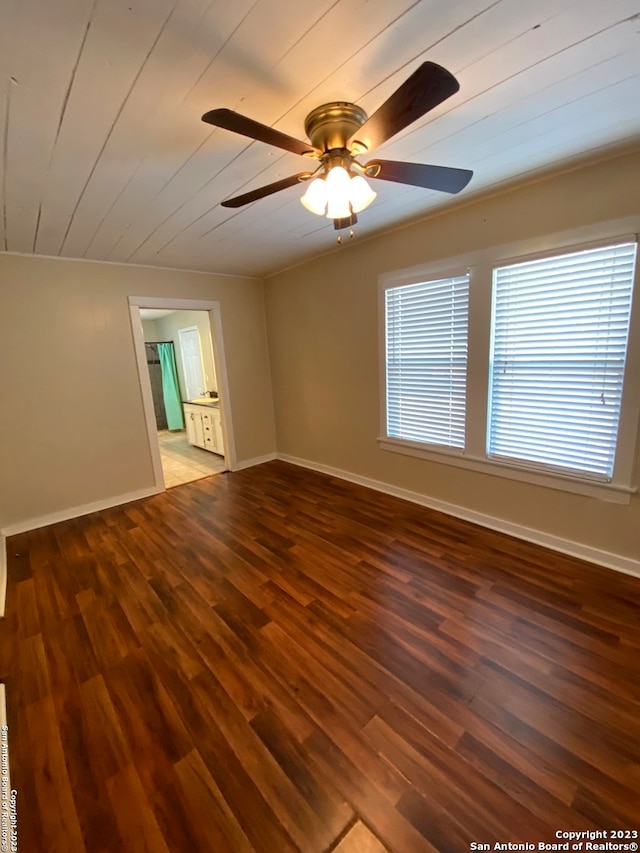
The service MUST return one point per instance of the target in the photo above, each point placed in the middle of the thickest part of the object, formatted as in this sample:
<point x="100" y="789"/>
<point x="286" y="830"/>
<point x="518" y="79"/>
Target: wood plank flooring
<point x="275" y="660"/>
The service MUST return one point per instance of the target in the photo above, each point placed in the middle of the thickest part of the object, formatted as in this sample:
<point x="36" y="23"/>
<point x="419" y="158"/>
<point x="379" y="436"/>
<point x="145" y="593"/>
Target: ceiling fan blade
<point x="428" y="86"/>
<point x="441" y="178"/>
<point x="238" y="123"/>
<point x="269" y="189"/>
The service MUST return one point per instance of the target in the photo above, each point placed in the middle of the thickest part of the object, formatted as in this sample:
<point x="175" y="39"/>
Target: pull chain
<point x="340" y="241"/>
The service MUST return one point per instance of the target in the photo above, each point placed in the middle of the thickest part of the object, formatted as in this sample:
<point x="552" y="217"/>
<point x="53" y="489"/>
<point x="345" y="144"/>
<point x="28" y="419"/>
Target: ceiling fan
<point x="340" y="132"/>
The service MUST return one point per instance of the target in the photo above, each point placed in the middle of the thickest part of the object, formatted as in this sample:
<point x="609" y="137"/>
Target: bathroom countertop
<point x="211" y="402"/>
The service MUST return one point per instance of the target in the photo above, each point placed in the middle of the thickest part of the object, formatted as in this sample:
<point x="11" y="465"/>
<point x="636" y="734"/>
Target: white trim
<point x="581" y="246"/>
<point x="222" y="385"/>
<point x="511" y="470"/>
<point x="147" y="397"/>
<point x="3" y="574"/>
<point x="172" y="304"/>
<point x="257" y="460"/>
<point x="617" y="562"/>
<point x="130" y="266"/>
<point x="76" y="511"/>
<point x="574" y="239"/>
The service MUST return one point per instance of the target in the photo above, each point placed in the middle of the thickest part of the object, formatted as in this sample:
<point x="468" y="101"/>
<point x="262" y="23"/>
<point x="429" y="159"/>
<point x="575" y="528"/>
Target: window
<point x="426" y="348"/>
<point x="520" y="368"/>
<point x="559" y="339"/>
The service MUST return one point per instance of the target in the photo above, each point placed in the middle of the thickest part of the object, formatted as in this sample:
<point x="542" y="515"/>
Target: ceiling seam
<point x="144" y="157"/>
<point x="115" y="121"/>
<point x="63" y="110"/>
<point x="532" y="66"/>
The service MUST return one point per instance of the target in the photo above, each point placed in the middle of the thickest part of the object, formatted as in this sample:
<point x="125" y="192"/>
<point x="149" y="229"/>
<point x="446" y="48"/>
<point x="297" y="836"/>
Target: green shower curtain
<point x="170" y="387"/>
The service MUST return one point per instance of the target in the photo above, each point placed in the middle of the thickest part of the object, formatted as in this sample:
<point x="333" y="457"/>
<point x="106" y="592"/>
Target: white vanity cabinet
<point x="193" y="421"/>
<point x="204" y="428"/>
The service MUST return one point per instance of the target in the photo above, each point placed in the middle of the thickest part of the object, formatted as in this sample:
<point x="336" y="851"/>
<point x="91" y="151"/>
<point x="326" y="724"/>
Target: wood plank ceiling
<point x="104" y="155"/>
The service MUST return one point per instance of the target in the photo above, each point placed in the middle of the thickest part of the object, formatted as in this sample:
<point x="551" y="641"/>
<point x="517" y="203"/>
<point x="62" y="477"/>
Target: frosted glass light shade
<point x="338" y="187"/>
<point x="315" y="198"/>
<point x="360" y="193"/>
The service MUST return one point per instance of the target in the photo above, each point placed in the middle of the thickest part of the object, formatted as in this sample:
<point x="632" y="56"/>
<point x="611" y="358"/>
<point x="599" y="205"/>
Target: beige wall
<point x="324" y="344"/>
<point x="149" y="330"/>
<point x="72" y="428"/>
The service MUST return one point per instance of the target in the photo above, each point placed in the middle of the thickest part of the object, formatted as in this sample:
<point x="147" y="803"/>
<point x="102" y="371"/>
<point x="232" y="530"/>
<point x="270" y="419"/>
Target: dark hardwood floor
<point x="275" y="660"/>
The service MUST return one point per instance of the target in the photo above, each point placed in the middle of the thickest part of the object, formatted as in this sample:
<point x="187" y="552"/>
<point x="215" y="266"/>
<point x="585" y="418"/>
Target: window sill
<point x="563" y="482"/>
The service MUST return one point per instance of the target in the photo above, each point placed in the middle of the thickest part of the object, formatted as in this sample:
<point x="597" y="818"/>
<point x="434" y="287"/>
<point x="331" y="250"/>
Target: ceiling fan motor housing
<point x="330" y="126"/>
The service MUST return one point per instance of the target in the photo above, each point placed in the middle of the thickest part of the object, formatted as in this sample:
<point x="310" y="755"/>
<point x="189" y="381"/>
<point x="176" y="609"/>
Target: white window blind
<point x="426" y="367"/>
<point x="559" y="339"/>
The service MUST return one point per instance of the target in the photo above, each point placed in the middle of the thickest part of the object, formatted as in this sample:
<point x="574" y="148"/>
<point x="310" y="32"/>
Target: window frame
<point x="480" y="265"/>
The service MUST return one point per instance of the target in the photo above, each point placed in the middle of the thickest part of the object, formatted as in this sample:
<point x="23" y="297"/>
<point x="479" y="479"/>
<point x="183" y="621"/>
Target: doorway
<point x="200" y="372"/>
<point x="181" y="461"/>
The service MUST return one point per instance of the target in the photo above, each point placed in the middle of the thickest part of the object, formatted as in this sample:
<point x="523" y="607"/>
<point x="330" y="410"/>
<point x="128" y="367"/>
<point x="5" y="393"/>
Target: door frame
<point x="215" y="331"/>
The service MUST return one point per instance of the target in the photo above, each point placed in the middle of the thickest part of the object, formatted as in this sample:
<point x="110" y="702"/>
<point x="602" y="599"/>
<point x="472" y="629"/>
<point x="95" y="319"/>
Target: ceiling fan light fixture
<point x="338" y="194"/>
<point x="316" y="197"/>
<point x="360" y="193"/>
<point x="340" y="132"/>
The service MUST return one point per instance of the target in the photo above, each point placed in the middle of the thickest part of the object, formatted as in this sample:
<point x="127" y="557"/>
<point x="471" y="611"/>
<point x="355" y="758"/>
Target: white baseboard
<point x="257" y="460"/>
<point x="76" y="511"/>
<point x="565" y="546"/>
<point x="3" y="574"/>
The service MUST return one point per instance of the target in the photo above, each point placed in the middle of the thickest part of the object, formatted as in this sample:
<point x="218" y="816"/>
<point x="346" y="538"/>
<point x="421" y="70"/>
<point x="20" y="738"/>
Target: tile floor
<point x="184" y="463"/>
